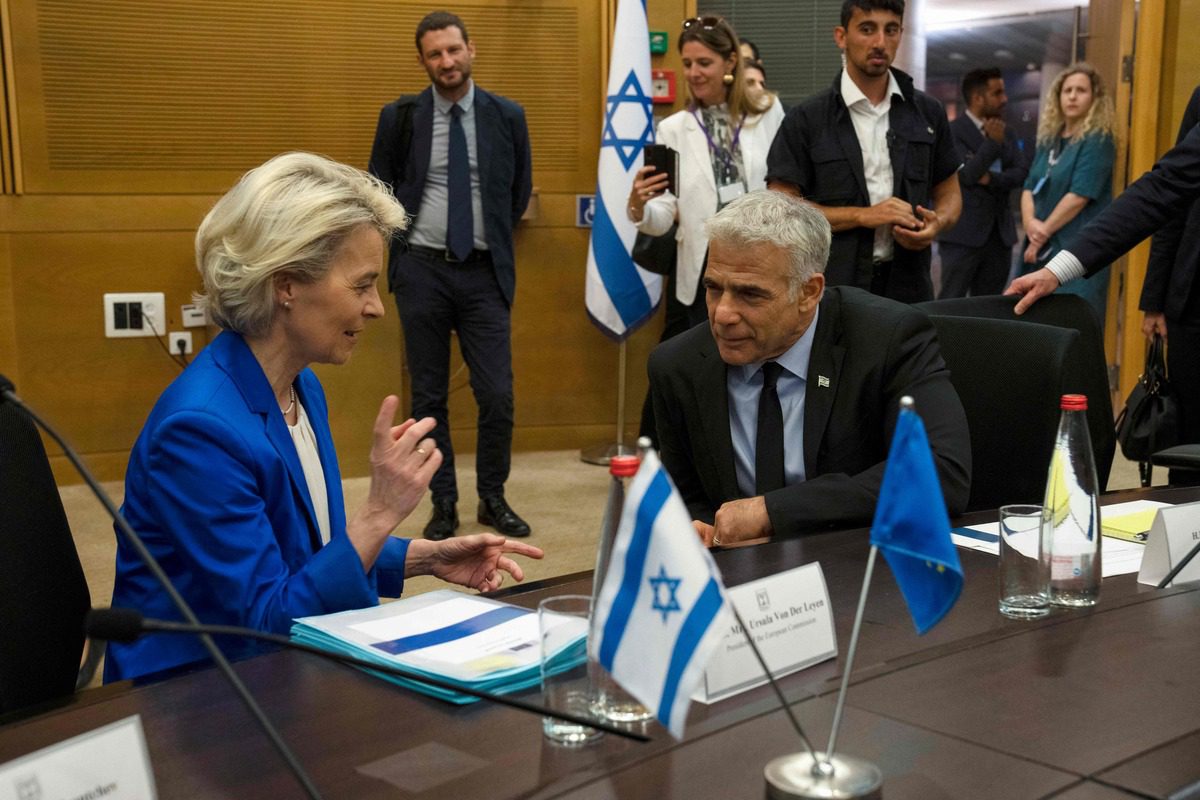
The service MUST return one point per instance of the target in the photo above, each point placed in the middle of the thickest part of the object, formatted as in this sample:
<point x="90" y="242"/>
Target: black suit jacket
<point x="1171" y="287"/>
<point x="505" y="175"/>
<point x="873" y="351"/>
<point x="985" y="205"/>
<point x="1162" y="194"/>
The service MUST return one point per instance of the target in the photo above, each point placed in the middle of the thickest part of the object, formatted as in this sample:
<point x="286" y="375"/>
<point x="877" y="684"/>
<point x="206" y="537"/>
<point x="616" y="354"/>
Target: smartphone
<point x="663" y="159"/>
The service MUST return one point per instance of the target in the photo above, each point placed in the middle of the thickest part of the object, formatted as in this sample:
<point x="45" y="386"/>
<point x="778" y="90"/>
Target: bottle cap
<point x="1073" y="402"/>
<point x="624" y="466"/>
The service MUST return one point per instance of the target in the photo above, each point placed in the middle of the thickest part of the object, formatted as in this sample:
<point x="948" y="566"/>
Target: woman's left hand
<point x="1038" y="232"/>
<point x="1031" y="253"/>
<point x="476" y="561"/>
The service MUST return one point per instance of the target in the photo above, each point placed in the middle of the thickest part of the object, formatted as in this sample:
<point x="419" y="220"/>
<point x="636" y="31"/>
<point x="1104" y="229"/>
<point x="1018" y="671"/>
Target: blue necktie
<point x="768" y="445"/>
<point x="460" y="222"/>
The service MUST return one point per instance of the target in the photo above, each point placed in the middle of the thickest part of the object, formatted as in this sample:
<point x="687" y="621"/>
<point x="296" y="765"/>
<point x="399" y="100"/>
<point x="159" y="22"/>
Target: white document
<point x="110" y="762"/>
<point x="1175" y="532"/>
<point x="444" y="632"/>
<point x="791" y="620"/>
<point x="1117" y="557"/>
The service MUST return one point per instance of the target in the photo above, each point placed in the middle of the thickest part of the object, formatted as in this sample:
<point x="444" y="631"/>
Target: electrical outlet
<point x="180" y="342"/>
<point x="193" y="316"/>
<point x="129" y="314"/>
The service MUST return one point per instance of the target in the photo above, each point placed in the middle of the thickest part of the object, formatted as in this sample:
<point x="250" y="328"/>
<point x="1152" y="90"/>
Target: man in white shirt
<point x="876" y="156"/>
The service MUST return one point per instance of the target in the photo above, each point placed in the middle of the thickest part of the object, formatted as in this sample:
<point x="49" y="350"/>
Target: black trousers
<point x="975" y="270"/>
<point x="436" y="297"/>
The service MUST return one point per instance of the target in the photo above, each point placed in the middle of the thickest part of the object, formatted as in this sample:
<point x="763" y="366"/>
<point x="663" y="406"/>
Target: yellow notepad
<point x="1130" y="527"/>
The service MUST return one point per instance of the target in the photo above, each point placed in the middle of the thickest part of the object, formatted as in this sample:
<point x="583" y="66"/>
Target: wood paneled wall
<point x="131" y="116"/>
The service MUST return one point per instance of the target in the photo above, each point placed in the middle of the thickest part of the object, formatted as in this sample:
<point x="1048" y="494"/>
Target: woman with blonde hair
<point x="234" y="483"/>
<point x="722" y="139"/>
<point x="1070" y="181"/>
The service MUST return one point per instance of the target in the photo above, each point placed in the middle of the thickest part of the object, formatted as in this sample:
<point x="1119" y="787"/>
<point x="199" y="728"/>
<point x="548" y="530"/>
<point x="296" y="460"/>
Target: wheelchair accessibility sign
<point x="585" y="210"/>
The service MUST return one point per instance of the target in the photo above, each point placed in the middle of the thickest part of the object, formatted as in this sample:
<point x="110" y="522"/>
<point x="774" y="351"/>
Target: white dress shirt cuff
<point x="1066" y="267"/>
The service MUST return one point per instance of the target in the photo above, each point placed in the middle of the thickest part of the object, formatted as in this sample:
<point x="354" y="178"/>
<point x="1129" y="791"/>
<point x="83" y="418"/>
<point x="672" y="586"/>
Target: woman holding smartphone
<point x="722" y="138"/>
<point x="1070" y="181"/>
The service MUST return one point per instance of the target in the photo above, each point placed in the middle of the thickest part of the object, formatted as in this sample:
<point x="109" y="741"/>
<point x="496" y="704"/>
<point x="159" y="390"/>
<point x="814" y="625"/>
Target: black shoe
<point x="496" y="512"/>
<point x="444" y="521"/>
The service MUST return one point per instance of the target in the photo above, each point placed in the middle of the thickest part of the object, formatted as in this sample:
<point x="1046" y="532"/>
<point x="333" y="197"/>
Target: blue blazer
<point x="400" y="158"/>
<point x="216" y="490"/>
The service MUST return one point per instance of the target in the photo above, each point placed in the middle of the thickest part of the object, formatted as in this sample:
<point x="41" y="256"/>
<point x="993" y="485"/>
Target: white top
<point x="698" y="199"/>
<point x="306" y="447"/>
<point x="871" y="127"/>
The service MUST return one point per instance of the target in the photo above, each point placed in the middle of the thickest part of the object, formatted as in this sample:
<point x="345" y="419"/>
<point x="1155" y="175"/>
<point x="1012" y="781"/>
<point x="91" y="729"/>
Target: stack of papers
<point x="1124" y="526"/>
<point x="470" y="641"/>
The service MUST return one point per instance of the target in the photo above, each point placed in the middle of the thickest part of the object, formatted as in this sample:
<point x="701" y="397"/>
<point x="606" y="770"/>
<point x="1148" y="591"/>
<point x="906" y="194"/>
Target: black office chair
<point x="1009" y="376"/>
<point x="1086" y="370"/>
<point x="43" y="592"/>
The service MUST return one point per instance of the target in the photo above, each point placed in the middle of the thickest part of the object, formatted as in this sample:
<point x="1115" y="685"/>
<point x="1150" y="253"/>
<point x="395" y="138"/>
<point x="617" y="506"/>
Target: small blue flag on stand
<point x="912" y="527"/>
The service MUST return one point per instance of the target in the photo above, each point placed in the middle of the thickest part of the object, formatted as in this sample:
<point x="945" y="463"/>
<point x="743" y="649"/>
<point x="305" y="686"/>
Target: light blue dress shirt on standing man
<point x="429" y="228"/>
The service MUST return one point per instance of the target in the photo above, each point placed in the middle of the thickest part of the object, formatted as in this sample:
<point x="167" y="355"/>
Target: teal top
<point x="1083" y="166"/>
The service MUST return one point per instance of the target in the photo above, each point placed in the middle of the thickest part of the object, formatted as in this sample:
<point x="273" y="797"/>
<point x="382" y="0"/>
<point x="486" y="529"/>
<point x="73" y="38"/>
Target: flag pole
<point x="850" y="651"/>
<point x="602" y="453"/>
<point x="771" y="680"/>
<point x="826" y="775"/>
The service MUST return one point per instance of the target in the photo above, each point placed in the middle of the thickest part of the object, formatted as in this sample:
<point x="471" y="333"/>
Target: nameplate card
<point x="791" y="621"/>
<point x="110" y="762"/>
<point x="1176" y="530"/>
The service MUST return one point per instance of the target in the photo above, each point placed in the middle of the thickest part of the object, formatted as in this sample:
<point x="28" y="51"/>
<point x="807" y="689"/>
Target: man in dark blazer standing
<point x="977" y="252"/>
<point x="775" y="417"/>
<point x="458" y="159"/>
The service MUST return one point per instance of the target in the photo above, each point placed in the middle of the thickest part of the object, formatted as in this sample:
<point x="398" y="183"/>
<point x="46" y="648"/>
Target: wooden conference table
<point x="1102" y="703"/>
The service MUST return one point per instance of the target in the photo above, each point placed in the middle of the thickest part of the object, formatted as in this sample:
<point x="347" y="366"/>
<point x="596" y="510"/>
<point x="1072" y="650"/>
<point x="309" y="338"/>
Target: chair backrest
<point x="1087" y="370"/>
<point x="1009" y="376"/>
<point x="43" y="591"/>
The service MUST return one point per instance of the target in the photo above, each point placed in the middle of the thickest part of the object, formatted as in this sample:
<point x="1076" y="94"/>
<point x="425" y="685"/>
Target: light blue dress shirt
<point x="744" y="384"/>
<point x="429" y="229"/>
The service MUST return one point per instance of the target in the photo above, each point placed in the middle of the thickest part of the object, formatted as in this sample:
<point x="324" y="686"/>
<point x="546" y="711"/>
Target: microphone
<point x="127" y="624"/>
<point x="8" y="393"/>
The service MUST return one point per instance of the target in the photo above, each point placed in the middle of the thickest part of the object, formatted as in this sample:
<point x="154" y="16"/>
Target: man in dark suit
<point x="775" y="417"/>
<point x="1171" y="302"/>
<point x="457" y="158"/>
<point x="977" y="252"/>
<point x="1166" y="202"/>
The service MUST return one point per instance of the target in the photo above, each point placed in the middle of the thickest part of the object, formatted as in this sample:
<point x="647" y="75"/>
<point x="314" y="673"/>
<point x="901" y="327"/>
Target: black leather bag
<point x="1150" y="420"/>
<point x="656" y="253"/>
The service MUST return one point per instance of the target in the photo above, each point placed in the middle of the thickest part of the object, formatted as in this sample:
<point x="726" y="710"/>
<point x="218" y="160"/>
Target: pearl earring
<point x="728" y="79"/>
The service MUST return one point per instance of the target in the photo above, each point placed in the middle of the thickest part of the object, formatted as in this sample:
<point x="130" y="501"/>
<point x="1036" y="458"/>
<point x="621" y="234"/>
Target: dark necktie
<point x="460" y="222"/>
<point x="768" y="443"/>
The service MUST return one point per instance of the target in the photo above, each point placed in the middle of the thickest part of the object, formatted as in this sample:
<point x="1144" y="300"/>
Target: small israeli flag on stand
<point x="662" y="609"/>
<point x="620" y="295"/>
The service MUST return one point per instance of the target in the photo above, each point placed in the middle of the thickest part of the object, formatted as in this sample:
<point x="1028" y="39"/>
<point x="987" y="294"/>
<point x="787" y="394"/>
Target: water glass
<point x="560" y="621"/>
<point x="1024" y="582"/>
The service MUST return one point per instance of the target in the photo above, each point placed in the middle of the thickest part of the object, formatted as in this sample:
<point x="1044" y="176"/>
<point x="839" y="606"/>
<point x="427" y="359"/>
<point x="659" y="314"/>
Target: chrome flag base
<point x="800" y="776"/>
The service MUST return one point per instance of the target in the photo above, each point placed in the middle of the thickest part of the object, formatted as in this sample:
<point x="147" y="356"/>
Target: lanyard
<point x="726" y="155"/>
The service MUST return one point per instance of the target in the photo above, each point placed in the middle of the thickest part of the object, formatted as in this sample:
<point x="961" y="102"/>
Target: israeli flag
<point x="620" y="295"/>
<point x="662" y="609"/>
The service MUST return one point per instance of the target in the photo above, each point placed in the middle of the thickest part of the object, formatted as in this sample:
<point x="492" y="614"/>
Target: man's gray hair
<point x="775" y="218"/>
<point x="292" y="213"/>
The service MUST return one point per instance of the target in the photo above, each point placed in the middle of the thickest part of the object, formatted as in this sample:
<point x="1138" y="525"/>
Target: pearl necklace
<point x="291" y="405"/>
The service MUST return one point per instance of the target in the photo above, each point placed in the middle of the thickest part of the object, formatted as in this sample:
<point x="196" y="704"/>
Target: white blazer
<point x="697" y="200"/>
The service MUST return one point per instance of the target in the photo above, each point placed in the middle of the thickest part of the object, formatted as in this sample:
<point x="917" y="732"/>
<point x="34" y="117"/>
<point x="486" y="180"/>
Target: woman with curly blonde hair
<point x="1070" y="181"/>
